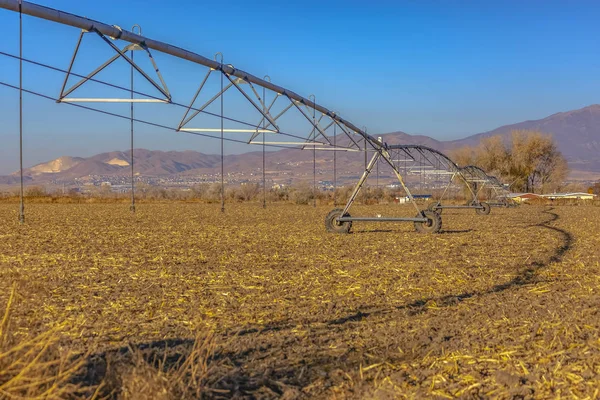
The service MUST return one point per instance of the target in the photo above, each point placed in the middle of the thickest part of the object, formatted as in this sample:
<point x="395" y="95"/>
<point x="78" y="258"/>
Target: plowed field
<point x="504" y="305"/>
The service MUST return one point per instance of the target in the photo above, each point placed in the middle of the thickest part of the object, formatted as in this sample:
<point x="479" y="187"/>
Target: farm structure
<point x="277" y="111"/>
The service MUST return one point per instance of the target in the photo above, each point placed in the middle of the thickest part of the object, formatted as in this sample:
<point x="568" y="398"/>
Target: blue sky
<point x="447" y="69"/>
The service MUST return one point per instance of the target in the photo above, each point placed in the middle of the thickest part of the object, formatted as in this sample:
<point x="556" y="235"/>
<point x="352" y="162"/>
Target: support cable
<point x="141" y="121"/>
<point x="187" y="107"/>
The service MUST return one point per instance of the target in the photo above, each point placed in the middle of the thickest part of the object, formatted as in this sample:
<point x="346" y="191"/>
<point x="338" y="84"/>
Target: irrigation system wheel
<point x="485" y="210"/>
<point x="435" y="207"/>
<point x="333" y="225"/>
<point x="433" y="224"/>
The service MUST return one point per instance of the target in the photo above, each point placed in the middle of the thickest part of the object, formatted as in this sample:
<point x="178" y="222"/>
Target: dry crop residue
<point x="502" y="305"/>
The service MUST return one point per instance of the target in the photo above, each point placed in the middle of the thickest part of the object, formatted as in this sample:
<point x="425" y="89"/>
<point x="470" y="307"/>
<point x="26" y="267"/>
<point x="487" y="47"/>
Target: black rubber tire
<point x="433" y="224"/>
<point x="434" y="206"/>
<point x="485" y="210"/>
<point x="334" y="226"/>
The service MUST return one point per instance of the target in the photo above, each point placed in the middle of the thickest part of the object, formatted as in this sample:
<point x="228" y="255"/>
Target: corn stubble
<point x="181" y="301"/>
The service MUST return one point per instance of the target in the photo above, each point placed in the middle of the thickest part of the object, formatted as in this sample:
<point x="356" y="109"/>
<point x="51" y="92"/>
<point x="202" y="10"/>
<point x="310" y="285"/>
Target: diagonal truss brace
<point x="343" y="128"/>
<point x="232" y="83"/>
<point x="313" y="134"/>
<point x="197" y="111"/>
<point x="266" y="126"/>
<point x="263" y="111"/>
<point x="163" y="89"/>
<point x="281" y="113"/>
<point x="309" y="119"/>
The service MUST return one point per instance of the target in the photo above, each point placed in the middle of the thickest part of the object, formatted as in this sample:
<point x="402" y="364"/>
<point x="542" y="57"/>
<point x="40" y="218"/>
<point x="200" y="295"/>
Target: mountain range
<point x="577" y="134"/>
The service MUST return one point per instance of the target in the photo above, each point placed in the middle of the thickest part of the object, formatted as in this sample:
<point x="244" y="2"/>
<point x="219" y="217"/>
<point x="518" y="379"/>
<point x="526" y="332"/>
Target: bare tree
<point x="530" y="160"/>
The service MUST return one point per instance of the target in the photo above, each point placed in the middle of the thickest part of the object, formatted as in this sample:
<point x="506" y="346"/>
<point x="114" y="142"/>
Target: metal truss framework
<point x="162" y="88"/>
<point x="475" y="180"/>
<point x="324" y="124"/>
<point x="499" y="193"/>
<point x="415" y="159"/>
<point x="236" y="78"/>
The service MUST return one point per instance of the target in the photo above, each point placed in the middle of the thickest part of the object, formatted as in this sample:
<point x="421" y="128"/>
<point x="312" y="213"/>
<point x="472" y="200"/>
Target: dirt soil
<point x="502" y="306"/>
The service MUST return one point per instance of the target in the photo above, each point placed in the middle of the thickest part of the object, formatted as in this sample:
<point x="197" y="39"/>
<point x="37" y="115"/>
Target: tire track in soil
<point x="295" y="374"/>
<point x="526" y="277"/>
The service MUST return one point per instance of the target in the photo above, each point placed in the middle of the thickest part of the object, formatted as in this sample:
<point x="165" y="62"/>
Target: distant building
<point x="575" y="196"/>
<point x="523" y="197"/>
<point x="401" y="199"/>
<point x="417" y="197"/>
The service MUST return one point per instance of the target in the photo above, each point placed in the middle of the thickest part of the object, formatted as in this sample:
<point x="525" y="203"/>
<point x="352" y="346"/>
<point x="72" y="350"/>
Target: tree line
<point x="529" y="160"/>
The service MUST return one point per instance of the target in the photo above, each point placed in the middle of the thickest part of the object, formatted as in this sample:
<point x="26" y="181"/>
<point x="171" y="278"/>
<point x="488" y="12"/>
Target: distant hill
<point x="577" y="134"/>
<point x="13" y="180"/>
<point x="147" y="162"/>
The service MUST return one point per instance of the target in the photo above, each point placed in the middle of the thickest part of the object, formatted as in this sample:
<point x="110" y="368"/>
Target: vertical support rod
<point x="365" y="143"/>
<point x="421" y="172"/>
<point x="377" y="166"/>
<point x="377" y="180"/>
<point x="264" y="180"/>
<point x="314" y="123"/>
<point x="131" y="115"/>
<point x="22" y="201"/>
<point x="222" y="148"/>
<point x="437" y="178"/>
<point x="365" y="140"/>
<point x="314" y="175"/>
<point x="334" y="165"/>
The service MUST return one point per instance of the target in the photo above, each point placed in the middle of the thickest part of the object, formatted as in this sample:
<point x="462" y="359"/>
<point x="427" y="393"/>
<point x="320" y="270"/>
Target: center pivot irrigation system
<point x="480" y="180"/>
<point x="501" y="193"/>
<point x="271" y="104"/>
<point x="475" y="180"/>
